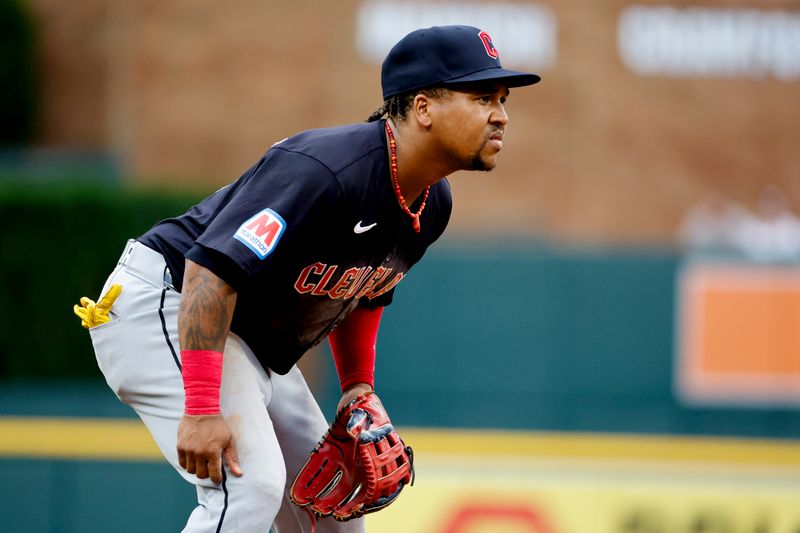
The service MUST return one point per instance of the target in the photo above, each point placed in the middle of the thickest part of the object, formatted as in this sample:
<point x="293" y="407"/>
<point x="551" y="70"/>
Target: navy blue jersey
<point x="311" y="231"/>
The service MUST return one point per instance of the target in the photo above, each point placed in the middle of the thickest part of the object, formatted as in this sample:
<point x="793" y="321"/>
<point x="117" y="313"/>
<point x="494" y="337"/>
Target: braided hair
<point x="397" y="106"/>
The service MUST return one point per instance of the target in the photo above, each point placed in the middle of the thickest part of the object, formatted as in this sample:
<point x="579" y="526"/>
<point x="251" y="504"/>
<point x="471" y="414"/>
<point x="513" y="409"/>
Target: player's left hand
<point x="360" y="466"/>
<point x="352" y="393"/>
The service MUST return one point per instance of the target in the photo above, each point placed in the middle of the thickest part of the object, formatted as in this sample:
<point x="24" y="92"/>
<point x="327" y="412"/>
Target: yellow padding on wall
<point x="128" y="439"/>
<point x="76" y="438"/>
<point x="606" y="446"/>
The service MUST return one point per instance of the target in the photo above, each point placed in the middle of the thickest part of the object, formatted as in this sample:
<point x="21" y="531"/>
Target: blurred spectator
<point x="773" y="234"/>
<point x="713" y="225"/>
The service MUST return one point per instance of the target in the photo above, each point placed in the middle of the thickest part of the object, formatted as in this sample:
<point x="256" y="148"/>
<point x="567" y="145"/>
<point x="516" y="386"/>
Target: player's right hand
<point x="202" y="442"/>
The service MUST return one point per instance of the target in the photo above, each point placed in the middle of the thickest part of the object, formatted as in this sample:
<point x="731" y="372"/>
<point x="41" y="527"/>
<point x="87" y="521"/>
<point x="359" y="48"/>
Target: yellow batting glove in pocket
<point x="93" y="314"/>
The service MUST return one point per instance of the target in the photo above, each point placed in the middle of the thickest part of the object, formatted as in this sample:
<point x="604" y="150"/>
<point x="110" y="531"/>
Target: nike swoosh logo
<point x="361" y="229"/>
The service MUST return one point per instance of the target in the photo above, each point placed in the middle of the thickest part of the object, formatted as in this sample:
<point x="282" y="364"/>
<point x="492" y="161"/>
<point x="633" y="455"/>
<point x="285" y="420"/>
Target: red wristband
<point x="202" y="377"/>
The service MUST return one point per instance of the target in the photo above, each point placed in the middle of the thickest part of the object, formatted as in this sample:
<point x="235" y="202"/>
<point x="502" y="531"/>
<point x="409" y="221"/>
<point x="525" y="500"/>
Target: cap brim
<point x="509" y="78"/>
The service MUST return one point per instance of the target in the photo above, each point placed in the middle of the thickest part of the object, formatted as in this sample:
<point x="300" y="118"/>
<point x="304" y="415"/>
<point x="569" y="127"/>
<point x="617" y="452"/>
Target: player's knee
<point x="268" y="489"/>
<point x="264" y="493"/>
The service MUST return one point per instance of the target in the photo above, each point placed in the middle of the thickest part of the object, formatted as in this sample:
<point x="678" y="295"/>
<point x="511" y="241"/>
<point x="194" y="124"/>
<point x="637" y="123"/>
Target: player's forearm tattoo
<point x="205" y="313"/>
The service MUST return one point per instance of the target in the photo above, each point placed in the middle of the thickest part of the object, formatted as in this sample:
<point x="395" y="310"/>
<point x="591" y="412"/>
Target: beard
<point x="478" y="162"/>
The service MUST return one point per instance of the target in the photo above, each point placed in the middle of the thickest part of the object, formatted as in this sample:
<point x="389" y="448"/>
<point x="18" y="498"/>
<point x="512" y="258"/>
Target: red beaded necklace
<point x="397" y="192"/>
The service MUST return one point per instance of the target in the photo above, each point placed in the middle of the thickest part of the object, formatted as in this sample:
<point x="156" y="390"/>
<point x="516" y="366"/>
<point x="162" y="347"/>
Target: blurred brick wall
<point x="74" y="58"/>
<point x="193" y="91"/>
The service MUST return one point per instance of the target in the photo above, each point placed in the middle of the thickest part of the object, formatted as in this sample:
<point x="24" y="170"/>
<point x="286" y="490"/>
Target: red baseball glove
<point x="360" y="465"/>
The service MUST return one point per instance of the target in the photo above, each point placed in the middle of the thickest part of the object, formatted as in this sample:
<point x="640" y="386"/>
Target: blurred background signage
<point x="528" y="31"/>
<point x="709" y="42"/>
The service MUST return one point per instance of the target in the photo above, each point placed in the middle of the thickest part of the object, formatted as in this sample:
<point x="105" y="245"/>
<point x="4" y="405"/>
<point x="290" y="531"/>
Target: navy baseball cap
<point x="445" y="55"/>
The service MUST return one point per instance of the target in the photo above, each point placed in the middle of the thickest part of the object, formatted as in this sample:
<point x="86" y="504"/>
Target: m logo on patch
<point x="261" y="232"/>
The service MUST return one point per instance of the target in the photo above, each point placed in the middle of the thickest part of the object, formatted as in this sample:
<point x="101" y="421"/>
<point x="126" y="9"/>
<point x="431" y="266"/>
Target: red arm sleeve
<point x="353" y="346"/>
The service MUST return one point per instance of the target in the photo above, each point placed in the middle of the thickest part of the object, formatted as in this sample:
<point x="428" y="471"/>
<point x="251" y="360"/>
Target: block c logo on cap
<point x="261" y="232"/>
<point x="489" y="45"/>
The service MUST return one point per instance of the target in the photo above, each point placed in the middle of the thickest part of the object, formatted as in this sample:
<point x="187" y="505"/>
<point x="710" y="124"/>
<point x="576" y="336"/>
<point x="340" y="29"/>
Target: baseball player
<point x="205" y="315"/>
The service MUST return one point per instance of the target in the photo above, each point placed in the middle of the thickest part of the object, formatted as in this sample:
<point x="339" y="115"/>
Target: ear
<point x="422" y="110"/>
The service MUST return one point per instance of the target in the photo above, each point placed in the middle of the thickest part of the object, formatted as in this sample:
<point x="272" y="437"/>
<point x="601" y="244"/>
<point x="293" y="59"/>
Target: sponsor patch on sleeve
<point x="261" y="232"/>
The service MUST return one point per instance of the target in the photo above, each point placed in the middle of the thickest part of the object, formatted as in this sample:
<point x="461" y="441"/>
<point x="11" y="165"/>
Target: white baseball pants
<point x="274" y="419"/>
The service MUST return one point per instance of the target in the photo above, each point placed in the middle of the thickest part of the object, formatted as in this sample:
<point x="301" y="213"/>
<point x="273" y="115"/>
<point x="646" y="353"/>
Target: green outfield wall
<point x="59" y="243"/>
<point x="527" y="336"/>
<point x="523" y="335"/>
<point x="552" y="482"/>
